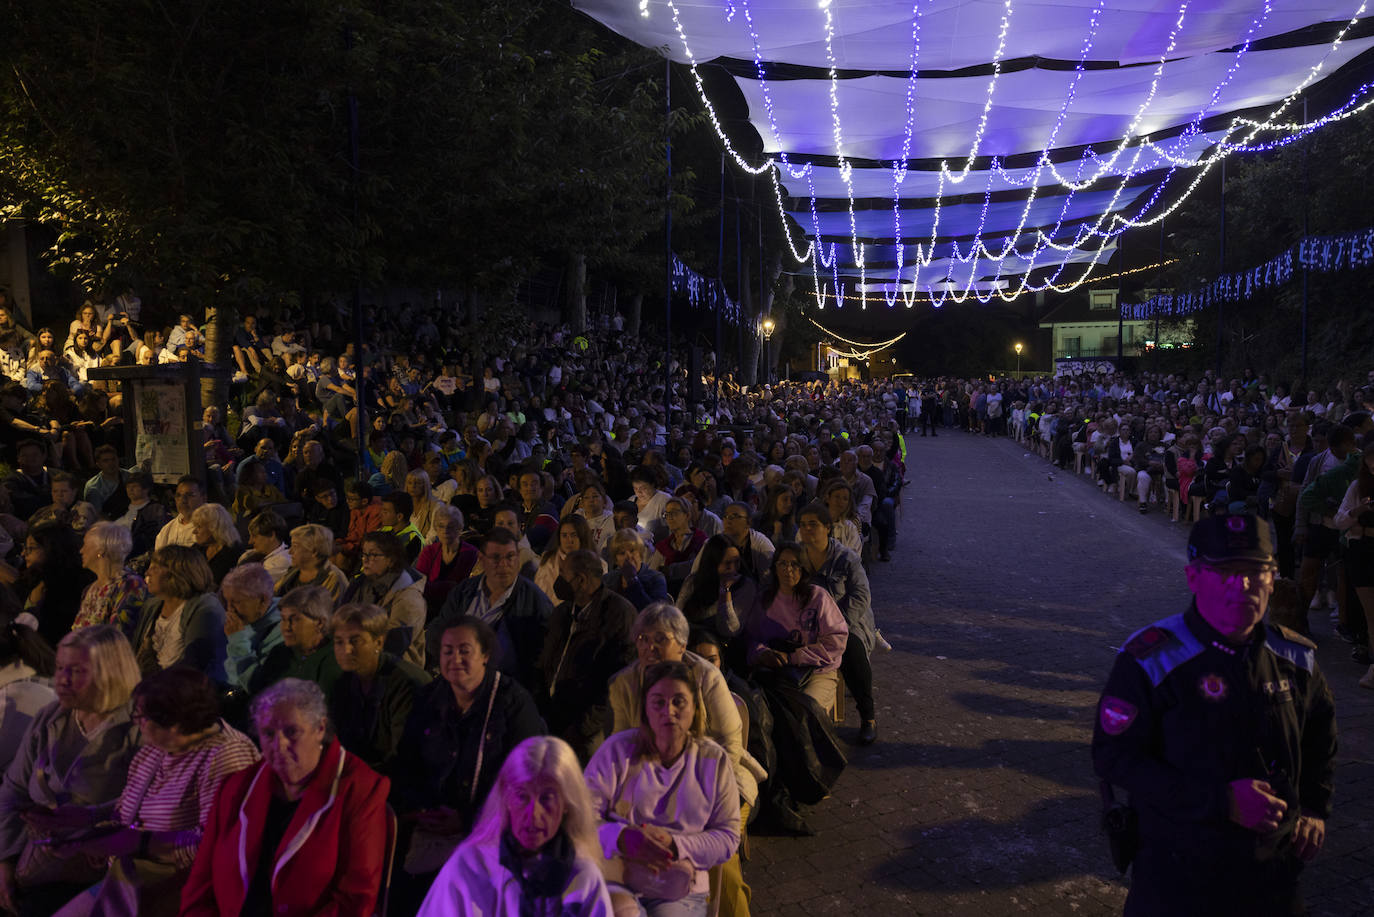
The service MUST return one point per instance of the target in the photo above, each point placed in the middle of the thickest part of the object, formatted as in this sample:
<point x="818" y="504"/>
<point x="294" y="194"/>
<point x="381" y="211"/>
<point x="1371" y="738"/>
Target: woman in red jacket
<point x="303" y="832"/>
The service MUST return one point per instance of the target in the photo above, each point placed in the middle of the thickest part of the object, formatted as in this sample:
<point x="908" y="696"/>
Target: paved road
<point x="1007" y="594"/>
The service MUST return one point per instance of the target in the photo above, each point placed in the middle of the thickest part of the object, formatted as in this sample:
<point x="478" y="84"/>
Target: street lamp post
<point x="768" y="326"/>
<point x="1018" y="359"/>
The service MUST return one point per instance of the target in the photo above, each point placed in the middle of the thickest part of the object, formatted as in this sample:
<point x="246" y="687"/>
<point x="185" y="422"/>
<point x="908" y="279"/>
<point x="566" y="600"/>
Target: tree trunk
<point x="781" y="318"/>
<point x="636" y="313"/>
<point x="749" y="329"/>
<point x="219" y="334"/>
<point x="576" y="313"/>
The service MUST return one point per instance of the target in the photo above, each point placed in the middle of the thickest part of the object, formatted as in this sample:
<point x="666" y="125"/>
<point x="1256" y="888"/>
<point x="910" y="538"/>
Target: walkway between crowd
<point x="1010" y="588"/>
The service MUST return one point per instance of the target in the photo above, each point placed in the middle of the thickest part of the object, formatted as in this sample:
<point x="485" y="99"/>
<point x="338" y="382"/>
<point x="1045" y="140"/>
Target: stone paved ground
<point x="1007" y="594"/>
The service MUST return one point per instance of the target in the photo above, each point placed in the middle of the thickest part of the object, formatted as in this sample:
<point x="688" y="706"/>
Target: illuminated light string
<point x="875" y="346"/>
<point x="1206" y="165"/>
<point x="1116" y="223"/>
<point x="977" y="249"/>
<point x="931" y="300"/>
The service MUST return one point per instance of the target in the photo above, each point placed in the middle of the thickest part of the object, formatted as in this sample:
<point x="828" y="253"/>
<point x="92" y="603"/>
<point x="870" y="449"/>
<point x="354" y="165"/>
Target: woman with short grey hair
<point x="305" y="779"/>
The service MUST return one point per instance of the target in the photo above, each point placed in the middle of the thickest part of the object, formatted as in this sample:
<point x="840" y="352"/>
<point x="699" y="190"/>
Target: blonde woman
<point x="215" y="536"/>
<point x="539" y="807"/>
<point x="90" y="725"/>
<point x="393" y="474"/>
<point x="423" y="502"/>
<point x="311" y="546"/>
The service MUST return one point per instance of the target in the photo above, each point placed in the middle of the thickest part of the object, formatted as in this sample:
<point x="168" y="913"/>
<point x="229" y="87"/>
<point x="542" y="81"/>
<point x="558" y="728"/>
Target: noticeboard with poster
<point x="1083" y="366"/>
<point x="161" y="443"/>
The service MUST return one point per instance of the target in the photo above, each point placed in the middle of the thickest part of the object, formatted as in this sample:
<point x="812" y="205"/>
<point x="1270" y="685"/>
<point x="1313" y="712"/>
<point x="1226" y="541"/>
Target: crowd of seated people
<point x="444" y="575"/>
<point x="427" y="582"/>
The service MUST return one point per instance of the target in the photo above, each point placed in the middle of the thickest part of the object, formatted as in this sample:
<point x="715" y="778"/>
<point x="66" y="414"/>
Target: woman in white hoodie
<point x="534" y="847"/>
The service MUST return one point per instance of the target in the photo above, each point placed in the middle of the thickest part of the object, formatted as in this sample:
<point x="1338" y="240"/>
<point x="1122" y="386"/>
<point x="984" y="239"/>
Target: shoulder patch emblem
<point x="1294" y="637"/>
<point x="1116" y="715"/>
<point x="1212" y="687"/>
<point x="1147" y="641"/>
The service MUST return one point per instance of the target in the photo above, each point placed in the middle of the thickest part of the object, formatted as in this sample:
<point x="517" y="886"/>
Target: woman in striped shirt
<point x="155" y="827"/>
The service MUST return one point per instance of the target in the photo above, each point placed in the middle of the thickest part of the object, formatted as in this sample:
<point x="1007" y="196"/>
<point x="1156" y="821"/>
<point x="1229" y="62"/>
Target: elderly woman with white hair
<point x="303" y="831"/>
<point x="118" y="594"/>
<point x="449" y="560"/>
<point x="534" y="849"/>
<point x="252" y="625"/>
<point x="307" y="650"/>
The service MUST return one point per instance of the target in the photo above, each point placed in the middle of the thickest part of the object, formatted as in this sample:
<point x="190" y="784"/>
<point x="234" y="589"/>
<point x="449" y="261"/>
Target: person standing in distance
<point x="1222" y="729"/>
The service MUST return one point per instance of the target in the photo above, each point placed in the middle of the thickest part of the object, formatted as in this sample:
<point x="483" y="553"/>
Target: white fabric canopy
<point x="877" y="34"/>
<point x="1154" y="73"/>
<point x="1026" y="105"/>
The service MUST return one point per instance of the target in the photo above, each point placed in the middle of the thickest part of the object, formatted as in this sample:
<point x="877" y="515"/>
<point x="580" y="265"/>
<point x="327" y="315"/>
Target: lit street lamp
<point x="767" y="326"/>
<point x="1018" y="359"/>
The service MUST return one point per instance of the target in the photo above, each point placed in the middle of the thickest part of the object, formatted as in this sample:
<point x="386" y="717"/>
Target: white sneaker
<point x="887" y="647"/>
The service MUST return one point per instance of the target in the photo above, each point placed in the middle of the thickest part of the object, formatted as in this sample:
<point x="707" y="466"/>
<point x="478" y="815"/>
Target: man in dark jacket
<point x="588" y="643"/>
<point x="512" y="605"/>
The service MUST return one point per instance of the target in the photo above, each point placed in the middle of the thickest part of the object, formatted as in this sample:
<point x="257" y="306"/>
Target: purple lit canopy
<point x="948" y="144"/>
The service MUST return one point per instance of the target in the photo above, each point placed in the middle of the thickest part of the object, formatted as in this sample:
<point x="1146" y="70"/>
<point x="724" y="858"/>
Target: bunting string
<point x="1321" y="254"/>
<point x="703" y="292"/>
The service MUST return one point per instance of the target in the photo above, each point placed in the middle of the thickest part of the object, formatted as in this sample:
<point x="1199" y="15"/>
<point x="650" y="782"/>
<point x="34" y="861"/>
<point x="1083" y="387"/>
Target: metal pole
<point x="1306" y="208"/>
<point x="1220" y="305"/>
<point x="763" y="301"/>
<point x="720" y="282"/>
<point x="668" y="246"/>
<point x="359" y="368"/>
<point x="1120" y="306"/>
<point x="739" y="285"/>
<point x="1159" y="274"/>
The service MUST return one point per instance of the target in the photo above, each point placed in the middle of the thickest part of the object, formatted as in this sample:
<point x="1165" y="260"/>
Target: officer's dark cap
<point x="1217" y="539"/>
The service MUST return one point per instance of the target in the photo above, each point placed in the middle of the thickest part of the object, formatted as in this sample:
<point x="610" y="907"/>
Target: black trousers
<point x="858" y="677"/>
<point x="1168" y="884"/>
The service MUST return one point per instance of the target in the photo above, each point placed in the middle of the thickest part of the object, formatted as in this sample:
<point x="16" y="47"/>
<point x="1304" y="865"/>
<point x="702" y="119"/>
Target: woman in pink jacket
<point x="798" y="629"/>
<point x="303" y="832"/>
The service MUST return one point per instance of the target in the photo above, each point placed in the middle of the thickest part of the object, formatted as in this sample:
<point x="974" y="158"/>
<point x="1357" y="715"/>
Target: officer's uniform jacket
<point x="1184" y="714"/>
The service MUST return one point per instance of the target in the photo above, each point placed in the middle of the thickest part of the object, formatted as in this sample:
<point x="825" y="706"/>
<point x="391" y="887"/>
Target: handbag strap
<point x="482" y="743"/>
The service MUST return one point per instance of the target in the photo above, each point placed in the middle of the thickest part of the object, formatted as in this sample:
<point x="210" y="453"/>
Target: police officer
<point x="1221" y="728"/>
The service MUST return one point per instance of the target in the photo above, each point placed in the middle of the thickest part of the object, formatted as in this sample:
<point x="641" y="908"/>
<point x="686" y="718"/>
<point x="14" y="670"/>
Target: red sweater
<point x="329" y="864"/>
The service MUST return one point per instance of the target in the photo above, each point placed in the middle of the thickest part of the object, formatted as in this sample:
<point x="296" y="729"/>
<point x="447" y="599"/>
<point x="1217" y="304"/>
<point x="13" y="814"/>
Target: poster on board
<point x="161" y="429"/>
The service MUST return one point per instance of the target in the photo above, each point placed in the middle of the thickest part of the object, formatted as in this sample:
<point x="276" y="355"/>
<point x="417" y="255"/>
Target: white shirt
<point x="175" y="532"/>
<point x="168" y="640"/>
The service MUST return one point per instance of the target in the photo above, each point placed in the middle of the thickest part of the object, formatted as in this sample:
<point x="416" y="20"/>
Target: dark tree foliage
<point x="202" y="148"/>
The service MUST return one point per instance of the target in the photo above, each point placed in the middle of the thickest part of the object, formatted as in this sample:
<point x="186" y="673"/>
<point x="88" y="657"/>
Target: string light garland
<point x="875" y="346"/>
<point x="929" y="300"/>
<point x="1137" y="155"/>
